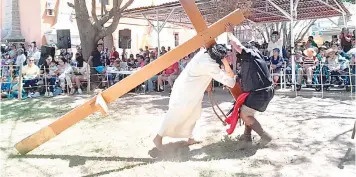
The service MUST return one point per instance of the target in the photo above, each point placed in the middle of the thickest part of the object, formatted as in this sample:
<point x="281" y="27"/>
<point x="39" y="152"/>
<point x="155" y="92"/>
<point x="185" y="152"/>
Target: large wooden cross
<point x="205" y="36"/>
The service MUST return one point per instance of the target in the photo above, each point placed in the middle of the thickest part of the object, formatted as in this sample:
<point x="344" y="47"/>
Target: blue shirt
<point x="276" y="61"/>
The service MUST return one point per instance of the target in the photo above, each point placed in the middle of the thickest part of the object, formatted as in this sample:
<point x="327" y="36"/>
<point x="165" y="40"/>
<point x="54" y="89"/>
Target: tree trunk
<point x="109" y="41"/>
<point x="87" y="36"/>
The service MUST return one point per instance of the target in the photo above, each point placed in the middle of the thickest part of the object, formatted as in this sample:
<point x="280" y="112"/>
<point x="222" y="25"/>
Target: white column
<point x="158" y="31"/>
<point x="292" y="46"/>
<point x="12" y="26"/>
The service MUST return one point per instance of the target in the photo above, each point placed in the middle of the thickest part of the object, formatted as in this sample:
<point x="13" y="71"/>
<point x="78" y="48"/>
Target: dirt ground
<point x="311" y="138"/>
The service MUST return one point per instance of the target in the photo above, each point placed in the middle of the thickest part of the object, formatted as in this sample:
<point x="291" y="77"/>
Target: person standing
<point x="256" y="83"/>
<point x="185" y="104"/>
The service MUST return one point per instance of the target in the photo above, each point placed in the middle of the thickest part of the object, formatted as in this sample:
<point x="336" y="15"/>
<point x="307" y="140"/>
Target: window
<point x="105" y="2"/>
<point x="50" y="12"/>
<point x="50" y="7"/>
<point x="176" y="39"/>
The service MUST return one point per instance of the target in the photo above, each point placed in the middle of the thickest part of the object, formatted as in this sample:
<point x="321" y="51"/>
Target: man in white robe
<point x="185" y="102"/>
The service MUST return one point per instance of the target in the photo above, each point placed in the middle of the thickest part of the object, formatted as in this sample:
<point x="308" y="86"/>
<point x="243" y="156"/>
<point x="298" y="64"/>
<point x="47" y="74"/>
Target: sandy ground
<point x="311" y="137"/>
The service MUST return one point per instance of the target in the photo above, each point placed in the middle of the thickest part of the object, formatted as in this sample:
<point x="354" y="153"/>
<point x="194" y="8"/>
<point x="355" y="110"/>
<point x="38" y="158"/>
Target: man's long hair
<point x="217" y="52"/>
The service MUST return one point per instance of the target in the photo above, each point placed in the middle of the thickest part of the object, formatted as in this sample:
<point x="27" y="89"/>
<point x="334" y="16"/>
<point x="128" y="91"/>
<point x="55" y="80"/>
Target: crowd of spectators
<point x="68" y="73"/>
<point x="331" y="63"/>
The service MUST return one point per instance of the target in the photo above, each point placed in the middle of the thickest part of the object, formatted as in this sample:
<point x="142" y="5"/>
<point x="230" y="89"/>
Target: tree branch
<point x="114" y="12"/>
<point x="111" y="13"/>
<point x="70" y="4"/>
<point x="76" y="7"/>
<point x="128" y="3"/>
<point x="93" y="12"/>
<point x="306" y="28"/>
<point x="105" y="11"/>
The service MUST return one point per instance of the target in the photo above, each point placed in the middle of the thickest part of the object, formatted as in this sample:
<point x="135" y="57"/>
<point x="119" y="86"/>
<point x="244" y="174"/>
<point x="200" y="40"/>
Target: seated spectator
<point x="81" y="74"/>
<point x="32" y="49"/>
<point x="13" y="51"/>
<point x="184" y="62"/>
<point x="311" y="43"/>
<point x="141" y="52"/>
<point x="140" y="62"/>
<point x="5" y="86"/>
<point x="276" y="42"/>
<point x="114" y="54"/>
<point x="50" y="69"/>
<point x="333" y="65"/>
<point x="21" y="58"/>
<point x="31" y="74"/>
<point x="163" y="51"/>
<point x="147" y="51"/>
<point x="118" y="67"/>
<point x="65" y="74"/>
<point x="131" y="61"/>
<point x="321" y="55"/>
<point x="346" y="37"/>
<point x="170" y="74"/>
<point x="309" y="64"/>
<point x="276" y="65"/>
<point x="14" y="92"/>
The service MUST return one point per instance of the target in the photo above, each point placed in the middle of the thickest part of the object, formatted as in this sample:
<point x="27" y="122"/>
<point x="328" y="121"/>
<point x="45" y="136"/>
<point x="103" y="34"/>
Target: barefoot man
<point x="255" y="79"/>
<point x="185" y="102"/>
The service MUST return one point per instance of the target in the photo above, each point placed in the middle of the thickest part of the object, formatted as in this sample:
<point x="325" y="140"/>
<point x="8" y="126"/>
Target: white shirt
<point x="20" y="60"/>
<point x="272" y="45"/>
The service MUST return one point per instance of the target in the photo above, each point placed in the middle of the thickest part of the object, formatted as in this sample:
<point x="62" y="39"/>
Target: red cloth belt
<point x="234" y="116"/>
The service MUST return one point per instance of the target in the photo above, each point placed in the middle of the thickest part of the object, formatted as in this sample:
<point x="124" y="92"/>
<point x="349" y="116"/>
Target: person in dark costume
<point x="256" y="83"/>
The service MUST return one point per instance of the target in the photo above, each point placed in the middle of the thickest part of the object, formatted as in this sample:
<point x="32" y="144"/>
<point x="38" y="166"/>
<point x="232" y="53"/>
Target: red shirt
<point x="114" y="54"/>
<point x="171" y="69"/>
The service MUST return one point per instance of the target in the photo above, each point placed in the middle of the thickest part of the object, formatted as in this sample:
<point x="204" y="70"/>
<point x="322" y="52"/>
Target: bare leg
<point x="248" y="130"/>
<point x="158" y="142"/>
<point x="265" y="137"/>
<point x="252" y="123"/>
<point x="159" y="82"/>
<point x="192" y="141"/>
<point x="77" y="81"/>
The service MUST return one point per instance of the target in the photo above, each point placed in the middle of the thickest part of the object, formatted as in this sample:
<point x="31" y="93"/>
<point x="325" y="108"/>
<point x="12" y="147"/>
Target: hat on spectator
<point x="276" y="49"/>
<point x="309" y="50"/>
<point x="323" y="47"/>
<point x="330" y="51"/>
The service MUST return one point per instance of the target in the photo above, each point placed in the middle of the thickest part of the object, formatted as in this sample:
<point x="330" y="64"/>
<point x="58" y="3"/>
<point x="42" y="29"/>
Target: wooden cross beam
<point x="205" y="36"/>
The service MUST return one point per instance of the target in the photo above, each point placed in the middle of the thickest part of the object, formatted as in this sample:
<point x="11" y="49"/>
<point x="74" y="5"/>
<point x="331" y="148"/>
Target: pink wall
<point x="46" y="21"/>
<point x="33" y="19"/>
<point x="30" y="20"/>
<point x="2" y="6"/>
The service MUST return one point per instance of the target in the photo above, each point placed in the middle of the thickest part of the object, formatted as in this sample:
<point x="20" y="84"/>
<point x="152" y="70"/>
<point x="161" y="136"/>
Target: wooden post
<point x="20" y="83"/>
<point x="111" y="94"/>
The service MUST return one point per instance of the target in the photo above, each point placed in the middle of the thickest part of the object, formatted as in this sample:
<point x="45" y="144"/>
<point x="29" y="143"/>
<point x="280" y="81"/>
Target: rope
<point x="210" y="94"/>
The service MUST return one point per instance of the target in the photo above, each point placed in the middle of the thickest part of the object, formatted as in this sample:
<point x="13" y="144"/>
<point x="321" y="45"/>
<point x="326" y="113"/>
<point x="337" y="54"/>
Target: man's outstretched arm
<point x="235" y="43"/>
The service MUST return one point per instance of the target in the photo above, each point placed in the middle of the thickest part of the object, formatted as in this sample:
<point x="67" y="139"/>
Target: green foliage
<point x="350" y="1"/>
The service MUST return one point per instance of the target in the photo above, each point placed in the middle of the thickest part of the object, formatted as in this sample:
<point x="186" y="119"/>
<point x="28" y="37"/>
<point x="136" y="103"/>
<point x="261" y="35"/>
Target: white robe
<point x="185" y="102"/>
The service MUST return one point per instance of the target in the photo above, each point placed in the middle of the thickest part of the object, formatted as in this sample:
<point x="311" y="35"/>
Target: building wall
<point x="46" y="21"/>
<point x="2" y="12"/>
<point x="33" y="19"/>
<point x="142" y="36"/>
<point x="30" y="20"/>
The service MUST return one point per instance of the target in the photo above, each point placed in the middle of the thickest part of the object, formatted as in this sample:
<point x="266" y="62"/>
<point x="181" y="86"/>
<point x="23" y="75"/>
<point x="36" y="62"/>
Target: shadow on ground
<point x="224" y="149"/>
